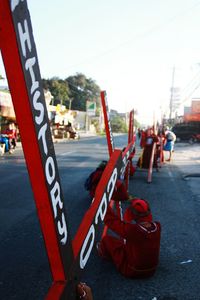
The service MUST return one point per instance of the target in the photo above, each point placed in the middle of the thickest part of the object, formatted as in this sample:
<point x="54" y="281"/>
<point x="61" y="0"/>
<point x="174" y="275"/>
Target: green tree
<point x="83" y="89"/>
<point x="118" y="124"/>
<point x="59" y="89"/>
<point x="77" y="90"/>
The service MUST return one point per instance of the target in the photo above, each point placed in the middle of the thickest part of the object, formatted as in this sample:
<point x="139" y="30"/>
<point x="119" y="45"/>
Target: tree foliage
<point x="118" y="124"/>
<point x="77" y="89"/>
<point x="58" y="88"/>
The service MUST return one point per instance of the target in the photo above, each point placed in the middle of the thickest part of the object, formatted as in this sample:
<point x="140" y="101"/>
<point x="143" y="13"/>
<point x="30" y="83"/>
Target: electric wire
<point x="138" y="36"/>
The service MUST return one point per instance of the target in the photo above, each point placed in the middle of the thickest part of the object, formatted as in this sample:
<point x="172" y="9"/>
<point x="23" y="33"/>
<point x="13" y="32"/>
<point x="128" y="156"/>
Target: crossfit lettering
<point x="88" y="242"/>
<point x="38" y="106"/>
<point x="41" y="133"/>
<point x="55" y="195"/>
<point x="89" y="238"/>
<point x="29" y="66"/>
<point x="125" y="162"/>
<point x="41" y="127"/>
<point x="24" y="37"/>
<point x="101" y="212"/>
<point x="111" y="184"/>
<point x="50" y="165"/>
<point x="62" y="229"/>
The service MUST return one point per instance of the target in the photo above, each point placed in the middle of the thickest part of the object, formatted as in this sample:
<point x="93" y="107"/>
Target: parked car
<point x="187" y="131"/>
<point x="196" y="138"/>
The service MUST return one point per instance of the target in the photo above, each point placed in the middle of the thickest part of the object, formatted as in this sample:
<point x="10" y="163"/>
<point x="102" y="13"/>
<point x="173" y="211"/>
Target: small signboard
<point x="91" y="108"/>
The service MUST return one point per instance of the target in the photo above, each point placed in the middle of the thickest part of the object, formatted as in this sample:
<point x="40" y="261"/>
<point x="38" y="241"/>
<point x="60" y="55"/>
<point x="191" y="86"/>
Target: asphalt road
<point x="175" y="202"/>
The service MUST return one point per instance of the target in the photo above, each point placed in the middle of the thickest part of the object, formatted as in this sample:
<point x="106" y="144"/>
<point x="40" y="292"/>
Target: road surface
<point x="175" y="202"/>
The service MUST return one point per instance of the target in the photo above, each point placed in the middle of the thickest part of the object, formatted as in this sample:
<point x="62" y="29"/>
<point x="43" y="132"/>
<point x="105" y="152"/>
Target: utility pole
<point x="70" y="103"/>
<point x="172" y="95"/>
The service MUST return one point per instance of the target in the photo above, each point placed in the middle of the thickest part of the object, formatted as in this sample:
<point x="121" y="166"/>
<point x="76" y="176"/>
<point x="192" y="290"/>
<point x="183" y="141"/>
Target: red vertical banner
<point x="21" y="65"/>
<point x="131" y="125"/>
<point x="150" y="170"/>
<point x="124" y="173"/>
<point x="131" y="141"/>
<point x="110" y="142"/>
<point x="109" y="134"/>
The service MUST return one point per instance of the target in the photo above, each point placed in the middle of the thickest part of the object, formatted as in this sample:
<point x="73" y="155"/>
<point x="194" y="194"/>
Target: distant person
<point x="170" y="139"/>
<point x="139" y="133"/>
<point x="70" y="131"/>
<point x="135" y="253"/>
<point x="4" y="140"/>
<point x="7" y="136"/>
<point x="13" y="135"/>
<point x="142" y="138"/>
<point x="148" y="139"/>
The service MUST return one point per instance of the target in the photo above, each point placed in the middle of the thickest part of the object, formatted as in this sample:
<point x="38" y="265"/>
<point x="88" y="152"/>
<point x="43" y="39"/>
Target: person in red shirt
<point x="10" y="134"/>
<point x="136" y="252"/>
<point x="95" y="177"/>
<point x="120" y="192"/>
<point x="149" y="138"/>
<point x="142" y="138"/>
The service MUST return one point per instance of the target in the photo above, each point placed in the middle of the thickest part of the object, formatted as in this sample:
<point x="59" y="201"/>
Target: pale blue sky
<point x="128" y="47"/>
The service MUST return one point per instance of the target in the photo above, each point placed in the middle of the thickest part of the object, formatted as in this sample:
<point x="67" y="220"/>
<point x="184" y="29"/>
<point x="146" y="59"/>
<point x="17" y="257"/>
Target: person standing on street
<point x="170" y="139"/>
<point x="149" y="138"/>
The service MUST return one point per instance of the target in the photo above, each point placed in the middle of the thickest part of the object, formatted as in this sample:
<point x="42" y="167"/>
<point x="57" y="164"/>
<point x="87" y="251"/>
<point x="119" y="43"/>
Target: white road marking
<point x="66" y="153"/>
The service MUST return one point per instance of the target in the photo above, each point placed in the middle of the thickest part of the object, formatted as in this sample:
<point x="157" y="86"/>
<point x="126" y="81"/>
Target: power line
<point x="138" y="36"/>
<point x="189" y="96"/>
<point x="191" y="82"/>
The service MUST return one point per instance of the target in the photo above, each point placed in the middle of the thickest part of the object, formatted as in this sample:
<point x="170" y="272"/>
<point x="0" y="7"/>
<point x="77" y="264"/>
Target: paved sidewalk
<point x="187" y="158"/>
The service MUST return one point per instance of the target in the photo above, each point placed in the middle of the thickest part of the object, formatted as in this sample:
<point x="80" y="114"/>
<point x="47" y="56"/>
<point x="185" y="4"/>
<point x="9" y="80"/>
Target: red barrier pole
<point x="110" y="142"/>
<point x="109" y="135"/>
<point x="131" y="139"/>
<point x="85" y="235"/>
<point x="131" y="125"/>
<point x="149" y="178"/>
<point x="125" y="154"/>
<point x="56" y="291"/>
<point x="23" y="74"/>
